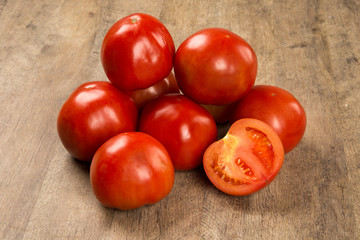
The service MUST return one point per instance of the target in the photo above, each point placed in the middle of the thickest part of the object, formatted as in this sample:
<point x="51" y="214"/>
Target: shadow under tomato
<point x="222" y="129"/>
<point x="304" y="181"/>
<point x="291" y="191"/>
<point x="82" y="166"/>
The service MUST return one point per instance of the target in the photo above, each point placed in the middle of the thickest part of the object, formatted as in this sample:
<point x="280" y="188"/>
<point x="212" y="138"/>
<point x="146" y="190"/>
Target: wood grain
<point x="311" y="48"/>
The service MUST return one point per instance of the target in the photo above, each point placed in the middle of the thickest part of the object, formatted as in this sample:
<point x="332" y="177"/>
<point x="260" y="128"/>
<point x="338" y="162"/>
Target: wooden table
<point x="310" y="48"/>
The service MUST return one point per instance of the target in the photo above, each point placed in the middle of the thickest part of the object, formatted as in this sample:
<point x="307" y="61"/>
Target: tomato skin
<point x="93" y="113"/>
<point x="215" y="66"/>
<point x="137" y="52"/>
<point x="184" y="127"/>
<point x="276" y="107"/>
<point x="143" y="96"/>
<point x="221" y="113"/>
<point x="130" y="170"/>
<point x="246" y="160"/>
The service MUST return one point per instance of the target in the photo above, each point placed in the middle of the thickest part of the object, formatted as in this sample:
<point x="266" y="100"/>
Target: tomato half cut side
<point x="246" y="160"/>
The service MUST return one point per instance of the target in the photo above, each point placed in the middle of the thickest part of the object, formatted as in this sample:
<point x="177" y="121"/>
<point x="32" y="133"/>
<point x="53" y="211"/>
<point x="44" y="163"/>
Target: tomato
<point x="93" y="113"/>
<point x="278" y="108"/>
<point x="246" y="160"/>
<point x="215" y="66"/>
<point x="137" y="52"/>
<point x="221" y="113"/>
<point x="143" y="96"/>
<point x="184" y="127"/>
<point x="130" y="170"/>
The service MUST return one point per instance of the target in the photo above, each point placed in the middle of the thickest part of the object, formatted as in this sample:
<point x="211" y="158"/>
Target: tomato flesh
<point x="246" y="159"/>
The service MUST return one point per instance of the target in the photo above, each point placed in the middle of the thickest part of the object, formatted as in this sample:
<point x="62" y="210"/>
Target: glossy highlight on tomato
<point x="130" y="170"/>
<point x="143" y="96"/>
<point x="184" y="127"/>
<point x="93" y="113"/>
<point x="246" y="160"/>
<point x="215" y="66"/>
<point x="276" y="107"/>
<point x="137" y="52"/>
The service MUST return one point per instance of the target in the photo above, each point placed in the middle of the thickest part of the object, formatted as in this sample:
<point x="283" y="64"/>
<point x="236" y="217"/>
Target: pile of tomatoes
<point x="145" y="123"/>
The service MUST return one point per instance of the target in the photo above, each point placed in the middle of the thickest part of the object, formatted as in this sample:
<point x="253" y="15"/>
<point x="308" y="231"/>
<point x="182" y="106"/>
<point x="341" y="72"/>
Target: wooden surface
<point x="310" y="48"/>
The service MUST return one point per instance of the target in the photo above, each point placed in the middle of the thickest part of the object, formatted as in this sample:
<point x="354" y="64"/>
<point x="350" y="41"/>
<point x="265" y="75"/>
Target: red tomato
<point x="221" y="113"/>
<point x="185" y="128"/>
<point x="246" y="160"/>
<point x="131" y="170"/>
<point x="215" y="67"/>
<point x="94" y="112"/>
<point x="137" y="52"/>
<point x="143" y="96"/>
<point x="278" y="108"/>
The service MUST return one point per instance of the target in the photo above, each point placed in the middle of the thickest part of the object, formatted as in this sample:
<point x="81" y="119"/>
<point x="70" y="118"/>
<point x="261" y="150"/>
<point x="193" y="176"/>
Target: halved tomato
<point x="246" y="160"/>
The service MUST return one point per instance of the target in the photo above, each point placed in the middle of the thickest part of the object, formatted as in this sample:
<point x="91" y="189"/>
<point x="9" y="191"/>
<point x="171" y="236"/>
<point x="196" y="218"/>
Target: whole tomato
<point x="130" y="170"/>
<point x="276" y="107"/>
<point x="215" y="66"/>
<point x="184" y="127"/>
<point x="143" y="96"/>
<point x="93" y="113"/>
<point x="246" y="160"/>
<point x="137" y="52"/>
